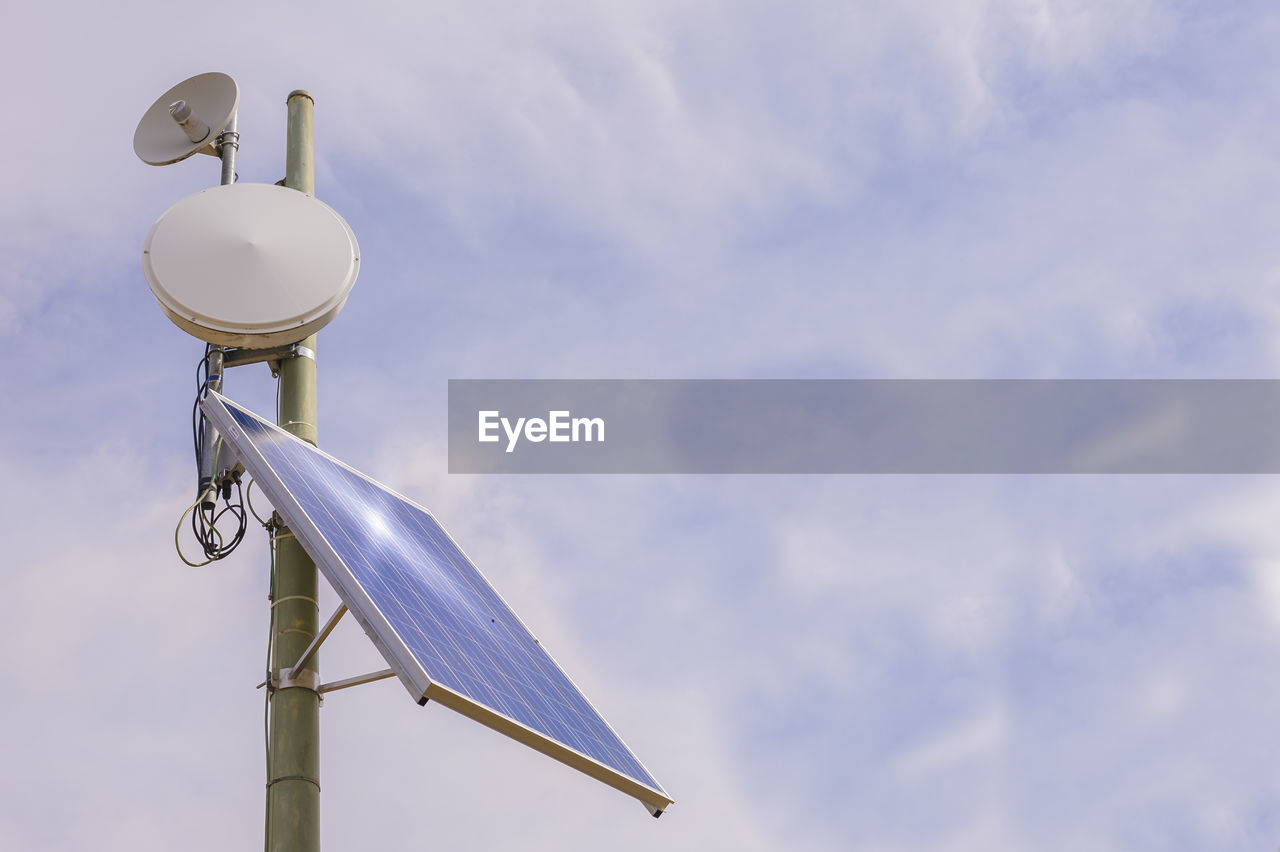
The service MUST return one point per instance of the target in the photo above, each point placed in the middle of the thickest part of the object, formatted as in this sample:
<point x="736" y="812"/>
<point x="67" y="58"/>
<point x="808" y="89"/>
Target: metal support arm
<point x="346" y="683"/>
<point x="239" y="357"/>
<point x="301" y="664"/>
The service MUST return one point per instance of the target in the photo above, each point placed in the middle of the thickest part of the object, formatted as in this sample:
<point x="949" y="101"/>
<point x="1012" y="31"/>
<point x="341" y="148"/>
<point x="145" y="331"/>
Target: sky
<point x="976" y="189"/>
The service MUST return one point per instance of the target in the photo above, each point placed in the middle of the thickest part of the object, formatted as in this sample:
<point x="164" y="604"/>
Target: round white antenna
<point x="251" y="265"/>
<point x="186" y="119"/>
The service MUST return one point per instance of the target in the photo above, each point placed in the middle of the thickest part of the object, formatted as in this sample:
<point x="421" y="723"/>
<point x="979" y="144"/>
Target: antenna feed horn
<point x="196" y="130"/>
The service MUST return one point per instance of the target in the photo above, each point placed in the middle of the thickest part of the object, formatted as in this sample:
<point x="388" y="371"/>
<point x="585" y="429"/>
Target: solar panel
<point x="441" y="626"/>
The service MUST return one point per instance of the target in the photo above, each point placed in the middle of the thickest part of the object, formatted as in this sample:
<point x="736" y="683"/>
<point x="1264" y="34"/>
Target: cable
<point x="204" y="521"/>
<point x="248" y="501"/>
<point x="206" y="514"/>
<point x="177" y="545"/>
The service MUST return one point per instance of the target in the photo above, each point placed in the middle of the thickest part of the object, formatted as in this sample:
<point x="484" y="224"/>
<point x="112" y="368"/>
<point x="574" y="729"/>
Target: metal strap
<point x="288" y="423"/>
<point x="289" y="679"/>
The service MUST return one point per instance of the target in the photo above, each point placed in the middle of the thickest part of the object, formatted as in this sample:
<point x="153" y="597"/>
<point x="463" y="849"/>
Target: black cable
<point x="206" y="515"/>
<point x="204" y="524"/>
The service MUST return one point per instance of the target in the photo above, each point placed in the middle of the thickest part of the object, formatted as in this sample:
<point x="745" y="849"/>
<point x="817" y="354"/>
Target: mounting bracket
<point x="272" y="356"/>
<point x="286" y="678"/>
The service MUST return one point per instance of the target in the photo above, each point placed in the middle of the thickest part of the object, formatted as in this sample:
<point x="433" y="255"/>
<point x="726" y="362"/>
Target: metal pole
<point x="228" y="144"/>
<point x="293" y="797"/>
<point x="213" y="360"/>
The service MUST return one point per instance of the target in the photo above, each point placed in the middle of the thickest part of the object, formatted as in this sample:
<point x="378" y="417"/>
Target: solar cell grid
<point x="444" y="629"/>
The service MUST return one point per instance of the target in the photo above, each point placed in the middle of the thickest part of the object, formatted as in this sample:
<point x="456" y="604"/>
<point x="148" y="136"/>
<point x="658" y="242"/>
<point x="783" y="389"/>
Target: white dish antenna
<point x="250" y="265"/>
<point x="186" y="119"/>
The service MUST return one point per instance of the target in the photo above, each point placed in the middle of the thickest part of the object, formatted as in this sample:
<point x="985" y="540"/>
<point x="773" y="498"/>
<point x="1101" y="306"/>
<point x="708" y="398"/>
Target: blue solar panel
<point x="443" y="628"/>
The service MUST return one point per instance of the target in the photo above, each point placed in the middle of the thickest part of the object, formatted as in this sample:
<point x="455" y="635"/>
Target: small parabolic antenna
<point x="186" y="119"/>
<point x="251" y="265"/>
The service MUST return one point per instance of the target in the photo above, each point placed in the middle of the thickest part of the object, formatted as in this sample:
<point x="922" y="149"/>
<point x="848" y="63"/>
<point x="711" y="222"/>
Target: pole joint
<point x="306" y="778"/>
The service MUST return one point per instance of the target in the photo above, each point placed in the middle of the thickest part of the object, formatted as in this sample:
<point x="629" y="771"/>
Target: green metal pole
<point x="293" y="792"/>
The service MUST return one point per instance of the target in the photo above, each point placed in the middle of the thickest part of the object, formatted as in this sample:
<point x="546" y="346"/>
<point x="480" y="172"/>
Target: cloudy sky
<point x="970" y="189"/>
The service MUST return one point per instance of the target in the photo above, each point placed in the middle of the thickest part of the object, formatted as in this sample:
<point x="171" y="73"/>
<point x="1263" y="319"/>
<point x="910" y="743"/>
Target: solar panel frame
<point x="412" y="672"/>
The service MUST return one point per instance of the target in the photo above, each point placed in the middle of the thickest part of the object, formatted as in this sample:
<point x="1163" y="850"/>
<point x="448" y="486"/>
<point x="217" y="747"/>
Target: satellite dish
<point x="186" y="119"/>
<point x="252" y="265"/>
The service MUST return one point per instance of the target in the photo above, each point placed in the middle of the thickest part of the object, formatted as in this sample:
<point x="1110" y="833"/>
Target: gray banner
<point x="864" y="426"/>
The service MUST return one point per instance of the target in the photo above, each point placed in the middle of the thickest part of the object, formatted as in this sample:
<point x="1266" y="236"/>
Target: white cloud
<point x="976" y="739"/>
